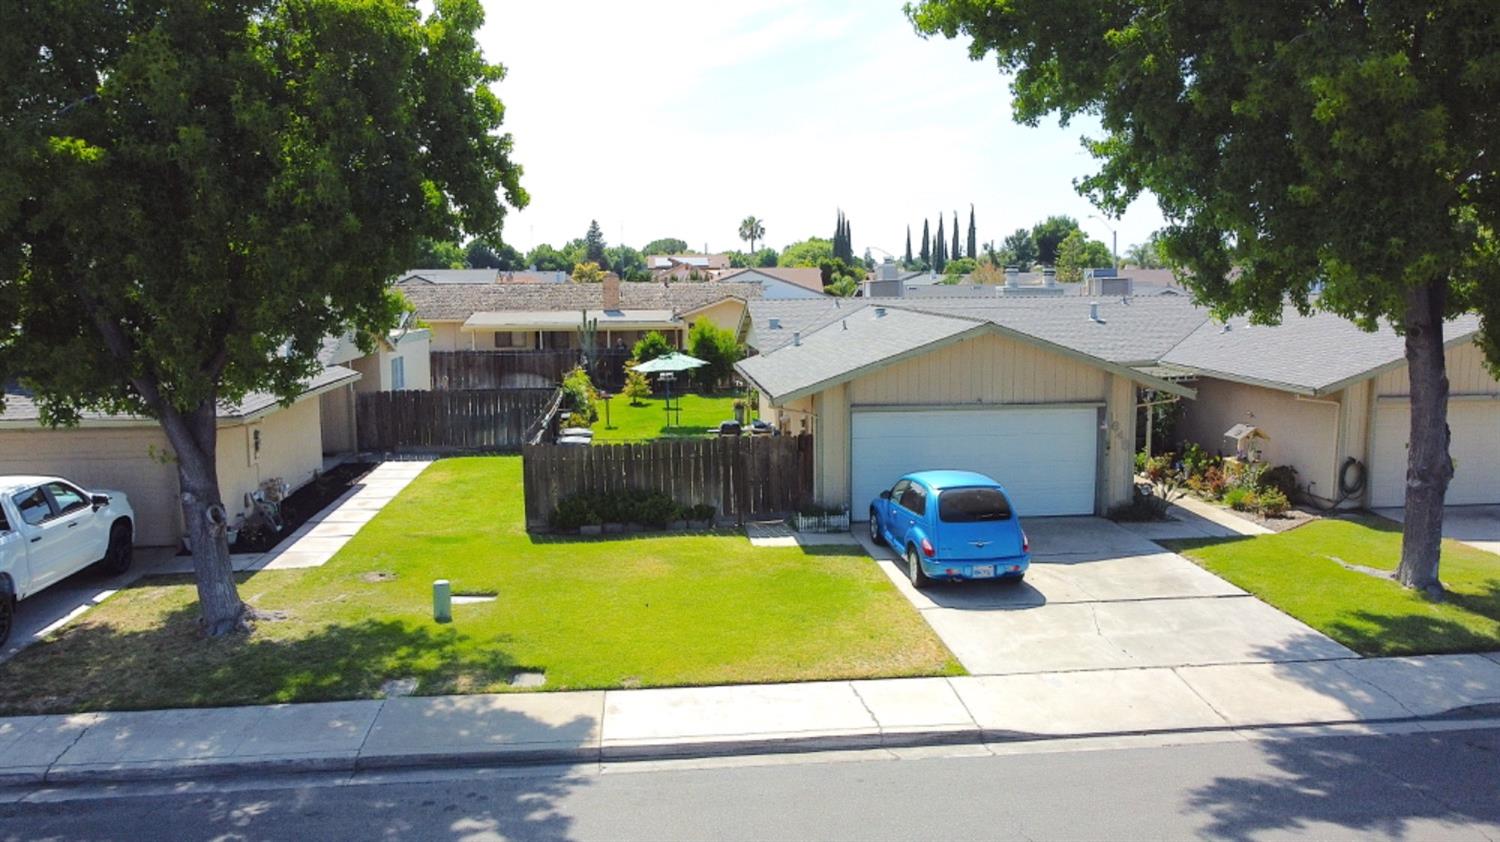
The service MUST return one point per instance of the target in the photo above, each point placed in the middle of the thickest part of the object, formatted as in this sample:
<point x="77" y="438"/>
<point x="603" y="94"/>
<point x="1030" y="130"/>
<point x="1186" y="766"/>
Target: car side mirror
<point x="99" y="501"/>
<point x="885" y="495"/>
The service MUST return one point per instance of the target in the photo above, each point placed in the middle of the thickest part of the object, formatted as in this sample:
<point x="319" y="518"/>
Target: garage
<point x="1046" y="457"/>
<point x="1475" y="446"/>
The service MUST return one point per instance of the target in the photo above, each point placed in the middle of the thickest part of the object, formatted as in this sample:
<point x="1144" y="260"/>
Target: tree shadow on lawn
<point x="159" y="660"/>
<point x="1377" y="634"/>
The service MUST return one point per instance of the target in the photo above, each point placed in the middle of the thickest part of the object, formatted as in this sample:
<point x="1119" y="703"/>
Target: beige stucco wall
<point x="446" y="336"/>
<point x="336" y="409"/>
<point x="130" y="459"/>
<point x="728" y="314"/>
<point x="375" y="369"/>
<point x="291" y="447"/>
<point x="137" y="461"/>
<point x="985" y="370"/>
<point x="1301" y="433"/>
<point x="988" y="369"/>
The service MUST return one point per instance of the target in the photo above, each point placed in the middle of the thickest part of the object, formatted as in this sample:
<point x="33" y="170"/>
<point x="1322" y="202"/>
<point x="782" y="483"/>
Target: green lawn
<point x="1299" y="572"/>
<point x="700" y="415"/>
<point x="635" y="611"/>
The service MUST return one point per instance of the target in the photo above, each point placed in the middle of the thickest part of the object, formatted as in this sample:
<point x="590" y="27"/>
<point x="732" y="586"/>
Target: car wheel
<point x="914" y="570"/>
<point x="875" y="537"/>
<point x="7" y="614"/>
<point x="120" y="554"/>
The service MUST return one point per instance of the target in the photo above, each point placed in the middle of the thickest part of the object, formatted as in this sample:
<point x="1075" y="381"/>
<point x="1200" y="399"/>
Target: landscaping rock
<point x="528" y="679"/>
<point x="395" y="688"/>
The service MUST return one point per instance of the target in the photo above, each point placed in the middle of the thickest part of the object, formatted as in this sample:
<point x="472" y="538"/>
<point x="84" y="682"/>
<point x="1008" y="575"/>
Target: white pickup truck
<point x="51" y="529"/>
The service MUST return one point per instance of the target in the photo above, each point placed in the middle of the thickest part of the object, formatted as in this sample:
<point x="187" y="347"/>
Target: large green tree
<point x="1019" y="250"/>
<point x="194" y="195"/>
<point x="926" y="246"/>
<point x="906" y="263"/>
<point x="545" y="258"/>
<point x="593" y="244"/>
<point x="810" y="252"/>
<point x="1048" y="234"/>
<point x="940" y="248"/>
<point x="1337" y="155"/>
<point x="666" y="245"/>
<point x="973" y="243"/>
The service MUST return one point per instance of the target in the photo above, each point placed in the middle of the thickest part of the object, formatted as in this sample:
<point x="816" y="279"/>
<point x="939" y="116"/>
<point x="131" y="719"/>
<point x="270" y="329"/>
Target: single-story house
<point x="1322" y="392"/>
<point x="686" y="267"/>
<point x="522" y="317"/>
<point x="780" y="282"/>
<point x="259" y="439"/>
<point x="1041" y="393"/>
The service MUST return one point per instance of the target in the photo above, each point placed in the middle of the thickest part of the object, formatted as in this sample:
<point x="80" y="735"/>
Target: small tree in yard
<point x="651" y="346"/>
<point x="717" y="347"/>
<point x="194" y="195"/>
<point x="1337" y="155"/>
<point x="636" y="387"/>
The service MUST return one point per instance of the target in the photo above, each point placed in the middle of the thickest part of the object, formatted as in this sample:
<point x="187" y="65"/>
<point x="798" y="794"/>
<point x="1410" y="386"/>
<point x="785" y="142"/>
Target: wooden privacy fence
<point x="522" y="369"/>
<point x="740" y="477"/>
<point x="467" y="419"/>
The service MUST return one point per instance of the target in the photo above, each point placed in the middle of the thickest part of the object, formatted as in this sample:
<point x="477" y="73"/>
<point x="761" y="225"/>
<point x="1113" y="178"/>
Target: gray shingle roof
<point x="847" y="344"/>
<point x="1308" y="354"/>
<point x="457" y="302"/>
<point x="451" y="276"/>
<point x="22" y="409"/>
<point x="794" y="315"/>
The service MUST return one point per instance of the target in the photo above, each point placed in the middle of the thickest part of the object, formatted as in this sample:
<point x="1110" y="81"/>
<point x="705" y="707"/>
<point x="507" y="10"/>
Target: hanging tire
<point x="121" y="553"/>
<point x="914" y="571"/>
<point x="875" y="537"/>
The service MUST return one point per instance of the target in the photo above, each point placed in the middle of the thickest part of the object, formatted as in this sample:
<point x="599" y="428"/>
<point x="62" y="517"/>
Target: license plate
<point x="982" y="571"/>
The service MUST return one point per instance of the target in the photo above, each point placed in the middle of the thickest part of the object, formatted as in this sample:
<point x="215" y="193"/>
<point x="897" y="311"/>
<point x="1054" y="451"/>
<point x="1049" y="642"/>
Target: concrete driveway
<point x="1101" y="597"/>
<point x="1477" y="526"/>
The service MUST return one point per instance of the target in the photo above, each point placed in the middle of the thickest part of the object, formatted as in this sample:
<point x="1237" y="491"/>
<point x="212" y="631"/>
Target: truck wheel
<point x="120" y="553"/>
<point x="7" y="612"/>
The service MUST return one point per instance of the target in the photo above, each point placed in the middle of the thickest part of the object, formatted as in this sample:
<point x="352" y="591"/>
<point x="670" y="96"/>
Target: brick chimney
<point x="611" y="291"/>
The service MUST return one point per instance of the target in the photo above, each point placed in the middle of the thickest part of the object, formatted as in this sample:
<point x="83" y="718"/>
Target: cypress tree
<point x="956" y="253"/>
<point x="973" y="236"/>
<point x="940" y="247"/>
<point x="908" y="247"/>
<point x="848" y="242"/>
<point x="926" y="246"/>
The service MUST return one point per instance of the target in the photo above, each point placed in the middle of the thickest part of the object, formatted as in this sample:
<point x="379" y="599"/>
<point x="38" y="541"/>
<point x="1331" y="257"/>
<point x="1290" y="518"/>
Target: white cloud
<point x="679" y="118"/>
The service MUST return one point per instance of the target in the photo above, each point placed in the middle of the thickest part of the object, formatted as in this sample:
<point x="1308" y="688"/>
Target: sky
<point x="679" y="118"/>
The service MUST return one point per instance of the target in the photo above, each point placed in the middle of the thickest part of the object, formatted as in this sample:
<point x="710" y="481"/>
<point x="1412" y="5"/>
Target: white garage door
<point x="1475" y="447"/>
<point x="1046" y="458"/>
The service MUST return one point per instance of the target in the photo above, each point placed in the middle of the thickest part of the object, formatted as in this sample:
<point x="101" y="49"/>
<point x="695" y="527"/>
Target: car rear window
<point x="969" y="505"/>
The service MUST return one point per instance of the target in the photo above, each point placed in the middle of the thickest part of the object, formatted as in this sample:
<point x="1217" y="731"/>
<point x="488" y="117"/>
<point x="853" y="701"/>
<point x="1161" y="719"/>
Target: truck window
<point x="67" y="498"/>
<point x="33" y="506"/>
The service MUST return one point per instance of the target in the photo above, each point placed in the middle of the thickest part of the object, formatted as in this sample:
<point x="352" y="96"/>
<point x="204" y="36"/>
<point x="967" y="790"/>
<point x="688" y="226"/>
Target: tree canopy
<point x="193" y="196"/>
<point x="1336" y="156"/>
<point x="809" y="252"/>
<point x="666" y="245"/>
<point x="753" y="229"/>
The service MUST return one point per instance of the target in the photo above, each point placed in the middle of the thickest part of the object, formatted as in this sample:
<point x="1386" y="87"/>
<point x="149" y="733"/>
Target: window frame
<point x="15" y="500"/>
<point x="398" y="373"/>
<point x="84" y="499"/>
<point x="916" y="489"/>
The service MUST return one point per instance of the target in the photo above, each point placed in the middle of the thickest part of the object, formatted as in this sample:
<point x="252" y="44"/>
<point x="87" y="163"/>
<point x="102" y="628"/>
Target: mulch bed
<point x="302" y="504"/>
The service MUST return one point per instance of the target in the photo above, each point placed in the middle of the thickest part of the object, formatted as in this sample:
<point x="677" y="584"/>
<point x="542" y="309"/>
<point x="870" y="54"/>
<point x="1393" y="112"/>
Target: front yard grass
<point x="701" y="415"/>
<point x="1300" y="573"/>
<point x="601" y="613"/>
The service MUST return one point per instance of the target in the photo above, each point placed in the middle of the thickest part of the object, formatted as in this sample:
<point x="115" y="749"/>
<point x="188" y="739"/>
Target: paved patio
<point x="1099" y="596"/>
<point x="1477" y="526"/>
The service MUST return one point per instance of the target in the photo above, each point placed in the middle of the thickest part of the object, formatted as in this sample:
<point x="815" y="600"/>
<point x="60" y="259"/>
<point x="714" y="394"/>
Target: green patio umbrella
<point x="673" y="362"/>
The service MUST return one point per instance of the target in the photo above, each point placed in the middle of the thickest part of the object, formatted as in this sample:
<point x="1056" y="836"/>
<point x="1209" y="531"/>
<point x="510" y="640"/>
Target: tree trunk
<point x="1428" y="465"/>
<point x="194" y="438"/>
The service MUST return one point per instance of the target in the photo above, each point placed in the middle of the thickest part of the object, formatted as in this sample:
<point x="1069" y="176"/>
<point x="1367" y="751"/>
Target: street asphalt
<point x="1391" y="785"/>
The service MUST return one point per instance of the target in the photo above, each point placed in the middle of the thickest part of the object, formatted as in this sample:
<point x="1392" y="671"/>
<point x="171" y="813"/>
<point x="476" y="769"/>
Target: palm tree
<point x="752" y="229"/>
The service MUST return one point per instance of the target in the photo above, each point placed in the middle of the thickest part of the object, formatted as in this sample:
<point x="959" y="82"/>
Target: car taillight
<point x="1025" y="543"/>
<point x="927" y="549"/>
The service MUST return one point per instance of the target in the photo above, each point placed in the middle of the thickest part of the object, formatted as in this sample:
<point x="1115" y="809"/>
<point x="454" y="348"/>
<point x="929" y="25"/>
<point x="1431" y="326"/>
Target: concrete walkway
<point x="631" y="724"/>
<point x="1477" y="526"/>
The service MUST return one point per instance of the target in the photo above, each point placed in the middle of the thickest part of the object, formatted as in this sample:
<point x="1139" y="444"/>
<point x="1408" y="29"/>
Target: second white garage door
<point x="1047" y="458"/>
<point x="1475" y="447"/>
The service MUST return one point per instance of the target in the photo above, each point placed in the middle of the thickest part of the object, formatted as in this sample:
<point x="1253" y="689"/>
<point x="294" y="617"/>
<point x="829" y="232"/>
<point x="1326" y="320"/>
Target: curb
<point x="539" y="755"/>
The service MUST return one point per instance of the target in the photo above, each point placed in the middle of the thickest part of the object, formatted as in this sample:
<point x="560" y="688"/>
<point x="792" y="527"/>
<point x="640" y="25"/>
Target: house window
<point x="504" y="339"/>
<point x="398" y="373"/>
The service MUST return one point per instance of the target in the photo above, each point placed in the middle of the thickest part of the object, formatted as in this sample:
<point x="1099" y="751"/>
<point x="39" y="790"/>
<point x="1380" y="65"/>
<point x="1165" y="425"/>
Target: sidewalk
<point x="687" y="722"/>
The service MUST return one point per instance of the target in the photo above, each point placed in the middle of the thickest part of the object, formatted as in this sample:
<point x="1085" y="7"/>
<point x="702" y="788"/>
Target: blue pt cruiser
<point x="951" y="525"/>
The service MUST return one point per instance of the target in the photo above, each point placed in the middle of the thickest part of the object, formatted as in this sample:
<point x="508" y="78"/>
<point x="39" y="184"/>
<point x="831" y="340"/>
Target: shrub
<point x="575" y="511"/>
<point x="1215" y="482"/>
<point x="654" y="509"/>
<point x="1143" y="506"/>
<point x="579" y="396"/>
<point x="636" y="387"/>
<point x="1195" y="460"/>
<point x="651" y="346"/>
<point x="1140" y="462"/>
<point x="1282" y="478"/>
<point x="1273" y="503"/>
<point x="1159" y="467"/>
<point x="1241" y="499"/>
<point x="717" y="347"/>
<point x="699" y="511"/>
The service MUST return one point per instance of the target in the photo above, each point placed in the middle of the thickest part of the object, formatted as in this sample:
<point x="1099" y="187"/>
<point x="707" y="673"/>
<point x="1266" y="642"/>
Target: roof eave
<point x="860" y="371"/>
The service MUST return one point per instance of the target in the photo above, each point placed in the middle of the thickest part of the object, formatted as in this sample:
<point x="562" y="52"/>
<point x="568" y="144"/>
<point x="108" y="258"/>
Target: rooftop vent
<point x="1094" y="312"/>
<point x="846" y="324"/>
<point x="776" y="324"/>
<point x="879" y="312"/>
<point x="1225" y="328"/>
<point x="796" y="337"/>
